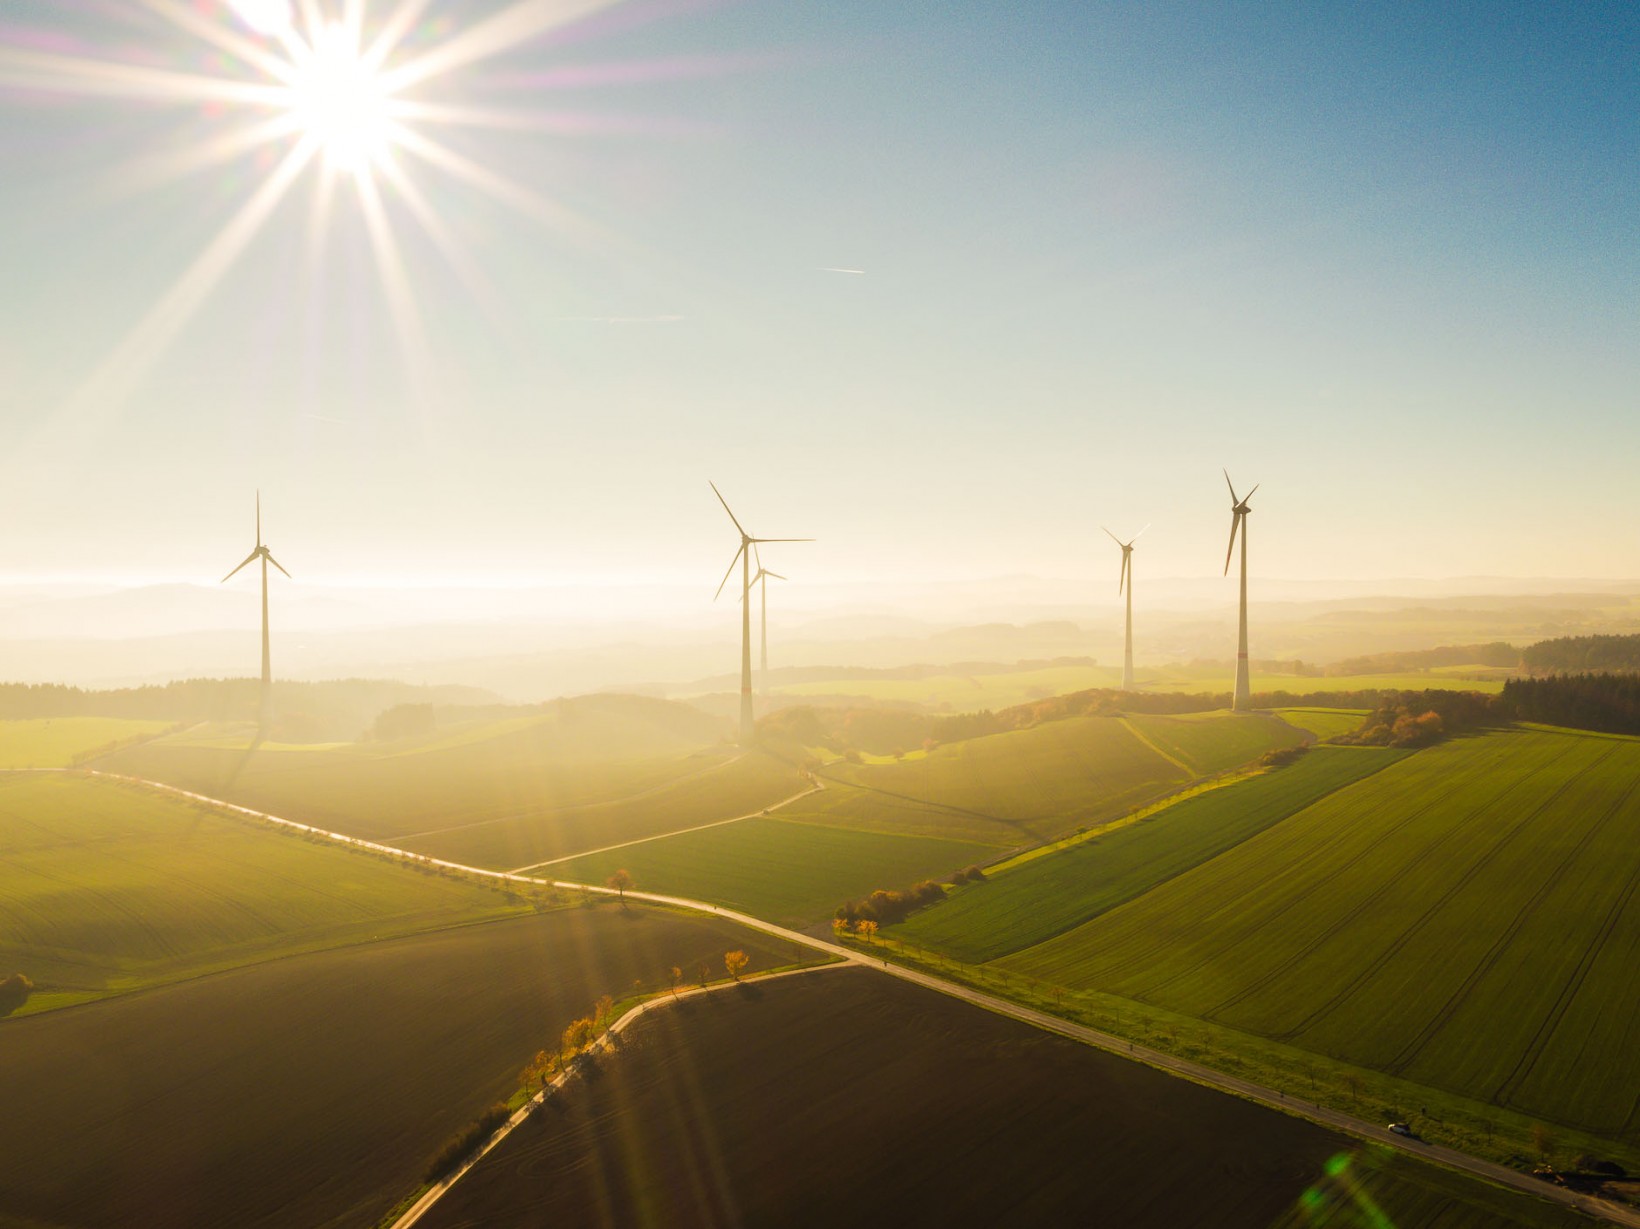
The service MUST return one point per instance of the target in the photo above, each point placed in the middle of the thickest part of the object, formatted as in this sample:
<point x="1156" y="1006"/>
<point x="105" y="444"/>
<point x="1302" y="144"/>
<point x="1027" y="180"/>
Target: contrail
<point x="831" y="269"/>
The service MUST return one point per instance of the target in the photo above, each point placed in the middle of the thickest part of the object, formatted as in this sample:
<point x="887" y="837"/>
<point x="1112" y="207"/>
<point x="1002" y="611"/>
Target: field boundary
<point x="605" y="1043"/>
<point x="1498" y="1175"/>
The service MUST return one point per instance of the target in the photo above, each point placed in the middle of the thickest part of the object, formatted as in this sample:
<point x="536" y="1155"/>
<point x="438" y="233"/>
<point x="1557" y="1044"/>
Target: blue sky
<point x="1380" y="259"/>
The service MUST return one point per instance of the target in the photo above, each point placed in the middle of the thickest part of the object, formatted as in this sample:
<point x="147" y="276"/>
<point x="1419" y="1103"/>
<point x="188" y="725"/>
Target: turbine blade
<point x="1121" y="586"/>
<point x="1112" y="536"/>
<point x="776" y="575"/>
<point x="757" y="557"/>
<point x="280" y="566"/>
<point x="1249" y="494"/>
<point x="259" y="518"/>
<point x="1139" y="535"/>
<point x="1234" y="498"/>
<point x="237" y="570"/>
<point x="1235" y="524"/>
<point x="730" y="572"/>
<point x="754" y="541"/>
<point x="725" y="504"/>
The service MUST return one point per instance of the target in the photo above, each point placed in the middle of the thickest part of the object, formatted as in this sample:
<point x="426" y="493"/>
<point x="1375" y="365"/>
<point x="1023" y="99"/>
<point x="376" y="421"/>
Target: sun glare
<point x="338" y="98"/>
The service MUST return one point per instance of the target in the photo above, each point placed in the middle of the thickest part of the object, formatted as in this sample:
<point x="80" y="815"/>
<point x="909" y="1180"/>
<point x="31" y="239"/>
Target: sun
<point x="339" y="99"/>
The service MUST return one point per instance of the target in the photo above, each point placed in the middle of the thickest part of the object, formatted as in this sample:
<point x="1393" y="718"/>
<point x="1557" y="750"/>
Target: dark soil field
<point x="845" y="1098"/>
<point x="309" y="1091"/>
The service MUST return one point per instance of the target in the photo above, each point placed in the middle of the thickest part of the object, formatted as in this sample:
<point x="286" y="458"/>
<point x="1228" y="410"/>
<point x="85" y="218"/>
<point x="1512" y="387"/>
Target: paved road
<point x="1463" y="1162"/>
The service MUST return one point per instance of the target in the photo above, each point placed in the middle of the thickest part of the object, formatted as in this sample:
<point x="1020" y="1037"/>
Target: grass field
<point x="1025" y="785"/>
<point x="1324" y="723"/>
<point x="54" y="742"/>
<point x="1206" y="743"/>
<point x="503" y="797"/>
<point x="106" y="888"/>
<point x="1467" y="919"/>
<point x="920" y="1110"/>
<point x="966" y="693"/>
<point x="1050" y="895"/>
<point x="784" y="871"/>
<point x="311" y="1091"/>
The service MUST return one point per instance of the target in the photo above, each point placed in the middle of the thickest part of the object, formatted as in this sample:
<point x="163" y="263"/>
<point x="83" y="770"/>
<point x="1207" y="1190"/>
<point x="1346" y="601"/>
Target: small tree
<point x="705" y="972"/>
<point x="735" y="961"/>
<point x="1544" y="1141"/>
<point x="839" y="926"/>
<point x="621" y="880"/>
<point x="677" y="976"/>
<point x="867" y="929"/>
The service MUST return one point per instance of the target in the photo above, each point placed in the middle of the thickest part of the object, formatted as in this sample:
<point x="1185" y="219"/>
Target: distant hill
<point x="1580" y="654"/>
<point x="306" y="712"/>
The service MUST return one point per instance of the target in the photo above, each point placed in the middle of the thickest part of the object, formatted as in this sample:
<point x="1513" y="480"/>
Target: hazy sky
<point x="1382" y="259"/>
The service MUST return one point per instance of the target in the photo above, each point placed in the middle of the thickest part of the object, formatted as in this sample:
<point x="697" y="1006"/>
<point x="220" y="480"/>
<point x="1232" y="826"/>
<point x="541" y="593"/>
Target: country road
<point x="1337" y="1120"/>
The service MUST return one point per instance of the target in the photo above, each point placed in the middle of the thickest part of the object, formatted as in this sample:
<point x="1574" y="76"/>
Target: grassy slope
<point x="106" y="888"/>
<point x="1323" y="722"/>
<point x="1213" y="742"/>
<point x="1022" y="786"/>
<point x="516" y="794"/>
<point x="787" y="872"/>
<point x="309" y="1092"/>
<point x="1467" y="919"/>
<point x="919" y="1110"/>
<point x="53" y="742"/>
<point x="1052" y="894"/>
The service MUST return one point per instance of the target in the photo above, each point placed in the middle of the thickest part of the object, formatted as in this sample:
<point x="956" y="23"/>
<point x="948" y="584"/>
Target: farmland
<point x="55" y="742"/>
<point x="889" y="824"/>
<point x="785" y="871"/>
<point x="1466" y="919"/>
<point x="310" y="1091"/>
<point x="503" y="795"/>
<point x="106" y="888"/>
<point x="918" y="1109"/>
<point x="1049" y="895"/>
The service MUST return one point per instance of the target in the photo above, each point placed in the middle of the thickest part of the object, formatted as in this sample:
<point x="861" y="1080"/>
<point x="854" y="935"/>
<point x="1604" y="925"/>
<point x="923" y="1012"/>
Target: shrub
<point x="14" y="992"/>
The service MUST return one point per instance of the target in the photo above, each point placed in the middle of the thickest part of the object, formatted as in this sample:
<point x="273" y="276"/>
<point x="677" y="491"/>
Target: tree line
<point x="1605" y="702"/>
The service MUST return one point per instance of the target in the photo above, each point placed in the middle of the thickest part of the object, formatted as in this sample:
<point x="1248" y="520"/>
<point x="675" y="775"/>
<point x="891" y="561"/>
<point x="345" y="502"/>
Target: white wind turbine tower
<point x="1239" y="509"/>
<point x="761" y="580"/>
<point x="1125" y="585"/>
<point x="743" y="556"/>
<point x="265" y="699"/>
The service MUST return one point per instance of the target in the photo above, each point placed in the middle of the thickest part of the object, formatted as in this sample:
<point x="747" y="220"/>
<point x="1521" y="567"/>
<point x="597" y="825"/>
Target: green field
<point x="55" y="742"/>
<point x="106" y="888"/>
<point x="503" y="796"/>
<point x="966" y="693"/>
<point x="311" y="1091"/>
<point x="1049" y="895"/>
<point x="1207" y="743"/>
<point x="784" y="871"/>
<point x="1324" y="723"/>
<point x="1467" y="919"/>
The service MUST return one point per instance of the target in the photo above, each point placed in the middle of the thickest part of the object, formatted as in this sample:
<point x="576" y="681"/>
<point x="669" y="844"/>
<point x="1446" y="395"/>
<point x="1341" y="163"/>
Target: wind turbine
<point x="743" y="556"/>
<point x="761" y="580"/>
<point x="1239" y="509"/>
<point x="264" y="701"/>
<point x="1125" y="584"/>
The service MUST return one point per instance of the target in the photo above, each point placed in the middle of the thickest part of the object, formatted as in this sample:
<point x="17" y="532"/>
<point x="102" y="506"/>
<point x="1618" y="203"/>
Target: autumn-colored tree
<point x="621" y="880"/>
<point x="866" y="929"/>
<point x="677" y="976"/>
<point x="603" y="1011"/>
<point x="839" y="926"/>
<point x="735" y="961"/>
<point x="705" y="972"/>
